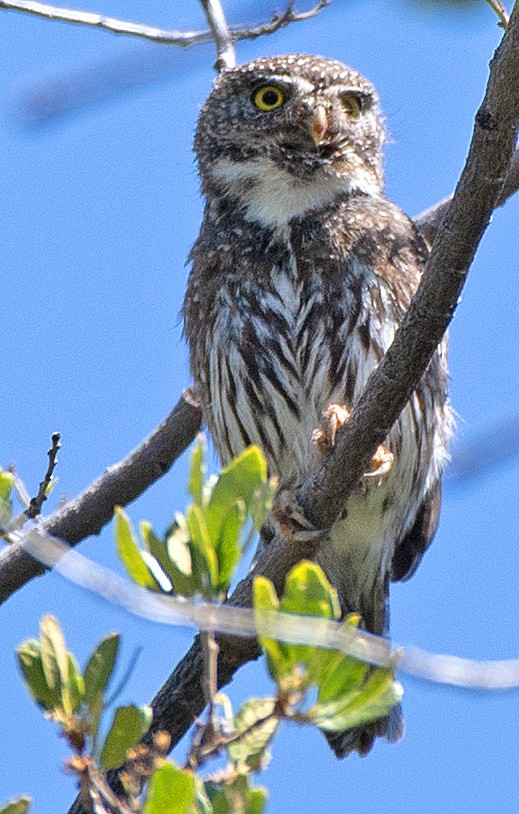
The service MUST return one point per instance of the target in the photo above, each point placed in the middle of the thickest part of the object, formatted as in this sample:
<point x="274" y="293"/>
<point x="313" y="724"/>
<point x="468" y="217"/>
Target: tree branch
<point x="324" y="494"/>
<point x="219" y="31"/>
<point x="430" y="221"/>
<point x="225" y="50"/>
<point x="119" y="485"/>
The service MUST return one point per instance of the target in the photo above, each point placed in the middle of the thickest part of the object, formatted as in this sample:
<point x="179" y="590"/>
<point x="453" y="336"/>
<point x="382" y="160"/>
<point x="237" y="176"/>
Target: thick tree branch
<point x="324" y="494"/>
<point x="119" y="485"/>
<point x="430" y="221"/>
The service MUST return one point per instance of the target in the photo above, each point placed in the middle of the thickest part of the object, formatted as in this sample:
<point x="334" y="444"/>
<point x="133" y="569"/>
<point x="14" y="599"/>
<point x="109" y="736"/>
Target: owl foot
<point x="291" y="519"/>
<point x="336" y="415"/>
<point x="381" y="461"/>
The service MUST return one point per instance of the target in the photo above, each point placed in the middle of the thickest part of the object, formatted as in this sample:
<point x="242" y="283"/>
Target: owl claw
<point x="291" y="519"/>
<point x="382" y="461"/>
<point x="335" y="416"/>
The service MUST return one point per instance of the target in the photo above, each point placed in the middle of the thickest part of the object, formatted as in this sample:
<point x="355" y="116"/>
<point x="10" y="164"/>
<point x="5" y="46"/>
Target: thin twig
<point x="184" y="39"/>
<point x="37" y="502"/>
<point x="500" y="11"/>
<point x="281" y="20"/>
<point x="225" y="50"/>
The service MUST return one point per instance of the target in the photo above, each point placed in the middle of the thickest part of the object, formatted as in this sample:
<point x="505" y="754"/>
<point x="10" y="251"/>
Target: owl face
<point x="285" y="135"/>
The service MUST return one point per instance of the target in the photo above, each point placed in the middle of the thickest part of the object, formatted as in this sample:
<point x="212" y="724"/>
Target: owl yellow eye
<point x="352" y="105"/>
<point x="268" y="97"/>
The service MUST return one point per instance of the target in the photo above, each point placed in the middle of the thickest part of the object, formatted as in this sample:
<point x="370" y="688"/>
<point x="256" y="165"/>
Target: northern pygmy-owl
<point x="301" y="274"/>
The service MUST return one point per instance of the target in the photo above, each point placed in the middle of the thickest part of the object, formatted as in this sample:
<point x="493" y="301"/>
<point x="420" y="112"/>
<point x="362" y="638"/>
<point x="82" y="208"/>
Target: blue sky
<point x="97" y="215"/>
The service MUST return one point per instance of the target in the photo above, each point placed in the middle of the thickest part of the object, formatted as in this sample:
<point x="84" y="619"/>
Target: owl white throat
<point x="272" y="196"/>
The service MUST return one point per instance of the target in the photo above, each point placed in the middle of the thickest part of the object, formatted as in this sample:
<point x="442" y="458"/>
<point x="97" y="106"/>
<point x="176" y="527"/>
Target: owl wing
<point x="410" y="549"/>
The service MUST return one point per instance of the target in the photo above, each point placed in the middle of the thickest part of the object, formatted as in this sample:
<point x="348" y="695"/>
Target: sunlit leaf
<point x="205" y="564"/>
<point x="18" y="806"/>
<point x="6" y="504"/>
<point x="197" y="471"/>
<point x="264" y="598"/>
<point x="374" y="700"/>
<point x="129" y="725"/>
<point x="55" y="659"/>
<point x="171" y="791"/>
<point x="308" y="592"/>
<point x="29" y="659"/>
<point x="236" y="795"/>
<point x="76" y="683"/>
<point x="258" y="724"/>
<point x="129" y="552"/>
<point x="237" y="482"/>
<point x="261" y="502"/>
<point x="228" y="549"/>
<point x="100" y="666"/>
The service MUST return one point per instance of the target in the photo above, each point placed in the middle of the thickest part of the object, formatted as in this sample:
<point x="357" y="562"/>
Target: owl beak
<point x="319" y="125"/>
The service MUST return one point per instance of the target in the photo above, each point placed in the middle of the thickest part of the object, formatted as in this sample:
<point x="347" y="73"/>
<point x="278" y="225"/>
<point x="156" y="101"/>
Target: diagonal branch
<point x="119" y="485"/>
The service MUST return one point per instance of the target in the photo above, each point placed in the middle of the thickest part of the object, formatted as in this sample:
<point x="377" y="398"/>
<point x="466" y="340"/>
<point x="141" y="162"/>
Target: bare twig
<point x="36" y="503"/>
<point x="225" y="50"/>
<point x="500" y="11"/>
<point x="282" y="20"/>
<point x="219" y="30"/>
<point x="119" y="485"/>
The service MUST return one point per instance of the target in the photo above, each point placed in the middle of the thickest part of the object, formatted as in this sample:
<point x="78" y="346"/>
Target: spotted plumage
<point x="300" y="276"/>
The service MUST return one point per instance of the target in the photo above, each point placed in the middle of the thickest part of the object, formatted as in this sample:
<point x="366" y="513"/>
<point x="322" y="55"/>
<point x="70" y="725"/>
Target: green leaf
<point x="129" y="725"/>
<point x="100" y="666"/>
<point x="76" y="683"/>
<point x="374" y="700"/>
<point x="129" y="552"/>
<point x="236" y="796"/>
<point x="6" y="504"/>
<point x="264" y="598"/>
<point x="171" y="791"/>
<point x="261" y="502"/>
<point x="55" y="659"/>
<point x="237" y="482"/>
<point x="251" y="748"/>
<point x="172" y="554"/>
<point x="308" y="592"/>
<point x="30" y="661"/>
<point x="197" y="472"/>
<point x="203" y="554"/>
<point x="228" y="549"/>
<point x="18" y="806"/>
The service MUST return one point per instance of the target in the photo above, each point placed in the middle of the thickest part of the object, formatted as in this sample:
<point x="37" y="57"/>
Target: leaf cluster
<point x="202" y="548"/>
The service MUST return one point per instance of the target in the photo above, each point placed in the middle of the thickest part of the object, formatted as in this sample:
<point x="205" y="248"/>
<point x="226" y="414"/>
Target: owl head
<point x="281" y="136"/>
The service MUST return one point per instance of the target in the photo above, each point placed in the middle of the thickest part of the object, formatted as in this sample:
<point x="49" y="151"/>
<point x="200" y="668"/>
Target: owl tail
<point x="375" y="617"/>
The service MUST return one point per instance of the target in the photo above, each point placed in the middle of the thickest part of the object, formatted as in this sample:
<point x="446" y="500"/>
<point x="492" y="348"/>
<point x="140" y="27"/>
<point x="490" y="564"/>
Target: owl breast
<point x="284" y="322"/>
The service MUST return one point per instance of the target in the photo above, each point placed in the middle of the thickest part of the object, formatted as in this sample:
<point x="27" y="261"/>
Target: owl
<point x="300" y="276"/>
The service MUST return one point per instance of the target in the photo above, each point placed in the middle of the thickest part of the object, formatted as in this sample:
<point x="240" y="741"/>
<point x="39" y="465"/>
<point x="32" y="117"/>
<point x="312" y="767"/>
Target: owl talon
<point x="382" y="461"/>
<point x="291" y="519"/>
<point x="335" y="416"/>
